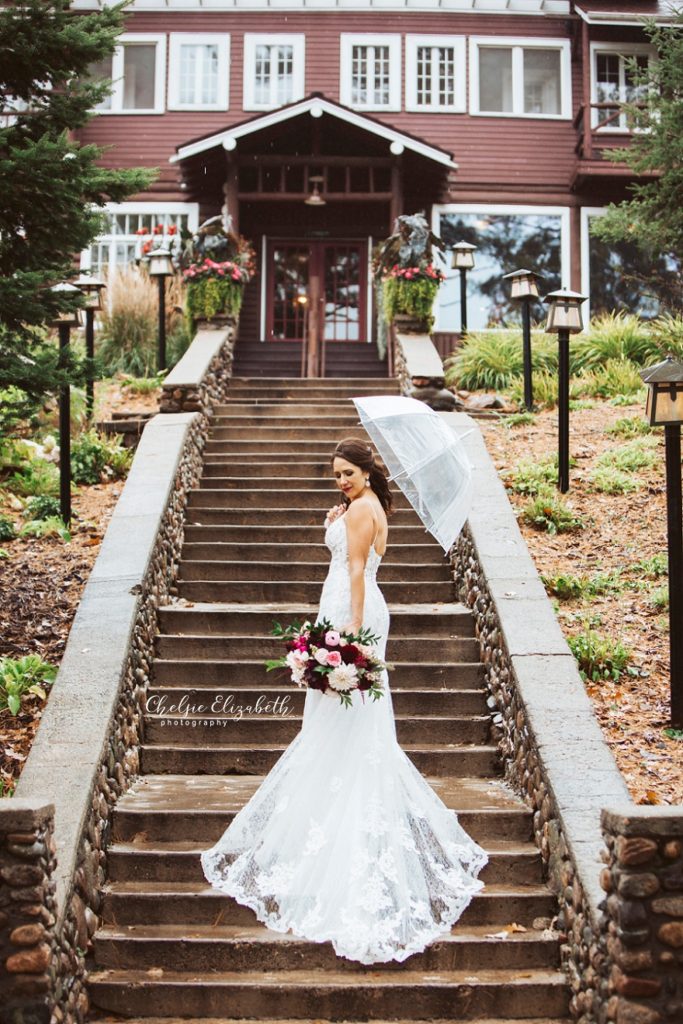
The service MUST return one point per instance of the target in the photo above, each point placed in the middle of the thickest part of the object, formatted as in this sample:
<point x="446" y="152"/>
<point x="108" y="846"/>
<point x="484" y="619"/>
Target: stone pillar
<point x="643" y="918"/>
<point x="27" y="902"/>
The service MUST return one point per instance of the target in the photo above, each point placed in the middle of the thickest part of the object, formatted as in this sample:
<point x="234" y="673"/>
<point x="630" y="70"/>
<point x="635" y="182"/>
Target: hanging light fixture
<point x="315" y="199"/>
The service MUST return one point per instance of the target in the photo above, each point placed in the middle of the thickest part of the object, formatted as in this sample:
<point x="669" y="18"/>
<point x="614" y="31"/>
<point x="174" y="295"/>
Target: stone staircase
<point x="170" y="946"/>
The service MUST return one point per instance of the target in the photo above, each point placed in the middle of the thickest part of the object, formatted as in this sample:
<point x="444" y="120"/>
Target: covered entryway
<point x="314" y="186"/>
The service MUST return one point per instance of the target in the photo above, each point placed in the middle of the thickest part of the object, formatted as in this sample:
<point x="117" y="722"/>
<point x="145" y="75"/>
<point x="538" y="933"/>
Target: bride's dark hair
<point x="359" y="452"/>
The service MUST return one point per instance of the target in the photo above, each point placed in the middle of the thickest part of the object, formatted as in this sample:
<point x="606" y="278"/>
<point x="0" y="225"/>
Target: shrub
<point x="610" y="480"/>
<point x="35" y="477"/>
<point x="599" y="657"/>
<point x="659" y="599"/>
<point x="567" y="587"/>
<point x="94" y="456"/>
<point x="639" y="453"/>
<point x="494" y="359"/>
<point x="530" y="477"/>
<point x="630" y="426"/>
<point x="519" y="419"/>
<point x="53" y="526"/>
<point x="42" y="506"/>
<point x="21" y="676"/>
<point x="615" y="377"/>
<point x="7" y="530"/>
<point x="143" y="385"/>
<point x="656" y="566"/>
<point x="613" y="337"/>
<point x="667" y="334"/>
<point x="580" y="403"/>
<point x="545" y="389"/>
<point x="548" y="512"/>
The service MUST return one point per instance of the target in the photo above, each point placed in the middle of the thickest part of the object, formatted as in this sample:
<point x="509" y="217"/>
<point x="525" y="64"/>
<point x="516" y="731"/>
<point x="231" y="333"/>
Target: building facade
<point x="491" y="116"/>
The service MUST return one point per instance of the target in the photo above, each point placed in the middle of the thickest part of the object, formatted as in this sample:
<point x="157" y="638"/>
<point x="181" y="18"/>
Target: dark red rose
<point x="349" y="654"/>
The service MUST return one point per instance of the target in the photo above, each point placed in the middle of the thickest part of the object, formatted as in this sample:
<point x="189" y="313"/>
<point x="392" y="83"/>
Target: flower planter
<point x="217" y="322"/>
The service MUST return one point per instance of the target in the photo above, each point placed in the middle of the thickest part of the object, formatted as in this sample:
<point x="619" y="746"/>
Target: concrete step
<point x="287" y="414"/>
<point x="429" y="758"/>
<point x="254" y="648"/>
<point x="292" y="482"/>
<point x="301" y="431"/>
<point x="276" y="570"/>
<point x="229" y="948"/>
<point x="258" y="591"/>
<point x="245" y="468"/>
<point x="212" y="729"/>
<point x="322" y="497"/>
<point x="163" y="807"/>
<point x="400" y="532"/>
<point x="275" y="448"/>
<point x="426" y="678"/>
<point x="346" y="384"/>
<point x="395" y="555"/>
<point x="275" y="519"/>
<point x="202" y="699"/>
<point x="197" y="902"/>
<point x="448" y="620"/>
<point x="112" y="1018"/>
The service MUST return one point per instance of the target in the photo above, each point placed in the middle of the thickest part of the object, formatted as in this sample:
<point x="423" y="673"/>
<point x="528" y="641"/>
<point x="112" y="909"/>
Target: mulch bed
<point x="633" y="712"/>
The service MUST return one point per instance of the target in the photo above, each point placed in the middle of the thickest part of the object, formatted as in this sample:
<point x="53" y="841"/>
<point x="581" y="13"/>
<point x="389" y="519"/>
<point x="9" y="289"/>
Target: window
<point x="199" y="71"/>
<point x="520" y="77"/>
<point x="612" y="83"/>
<point x="138" y="70"/>
<point x="273" y="71"/>
<point x="435" y="73"/>
<point x="118" y="246"/>
<point x="506" y="237"/>
<point x="371" y="72"/>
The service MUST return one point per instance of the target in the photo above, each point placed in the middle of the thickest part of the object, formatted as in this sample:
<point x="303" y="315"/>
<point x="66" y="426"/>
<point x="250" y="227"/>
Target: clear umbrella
<point x="425" y="457"/>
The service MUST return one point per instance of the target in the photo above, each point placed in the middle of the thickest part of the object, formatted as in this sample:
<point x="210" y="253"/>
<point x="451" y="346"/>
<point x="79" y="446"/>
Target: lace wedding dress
<point x="345" y="840"/>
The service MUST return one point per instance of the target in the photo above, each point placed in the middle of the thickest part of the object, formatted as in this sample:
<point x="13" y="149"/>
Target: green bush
<point x="610" y="480"/>
<point x="519" y="419"/>
<point x="613" y="337"/>
<point x="410" y="298"/>
<point x="630" y="426"/>
<point x="531" y="477"/>
<point x="42" y="506"/>
<point x="21" y="676"/>
<point x="143" y="385"/>
<point x="548" y="512"/>
<point x="54" y="526"/>
<point x="616" y="377"/>
<point x="659" y="599"/>
<point x="640" y="453"/>
<point x="599" y="657"/>
<point x="35" y="477"/>
<point x="494" y="360"/>
<point x="567" y="587"/>
<point x="94" y="456"/>
<point x="667" y="334"/>
<point x="7" y="530"/>
<point x="208" y="296"/>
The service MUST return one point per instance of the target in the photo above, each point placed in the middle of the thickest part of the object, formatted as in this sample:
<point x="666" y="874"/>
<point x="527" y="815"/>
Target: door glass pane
<point x="342" y="292"/>
<point x="495" y="79"/>
<point x="138" y="77"/>
<point x="290" y="282"/>
<point x="542" y="81"/>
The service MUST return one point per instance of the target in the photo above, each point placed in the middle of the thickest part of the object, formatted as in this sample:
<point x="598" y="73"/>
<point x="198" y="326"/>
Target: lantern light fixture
<point x="315" y="199"/>
<point x="523" y="284"/>
<point x="463" y="256"/>
<point x="160" y="262"/>
<point x="564" y="313"/>
<point x="68" y="317"/>
<point x="664" y="405"/>
<point x="92" y="288"/>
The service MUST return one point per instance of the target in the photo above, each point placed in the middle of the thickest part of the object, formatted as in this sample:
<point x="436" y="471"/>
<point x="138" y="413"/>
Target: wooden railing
<point x="587" y="133"/>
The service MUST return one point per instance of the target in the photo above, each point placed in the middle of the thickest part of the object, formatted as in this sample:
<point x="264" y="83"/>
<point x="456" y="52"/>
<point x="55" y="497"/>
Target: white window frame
<point x="459" y="46"/>
<point x="117" y="74"/>
<point x="347" y="41"/>
<point x="563" y="212"/>
<point x="150" y="209"/>
<point x="518" y="44"/>
<point x="251" y="41"/>
<point x="614" y="50"/>
<point x="178" y="39"/>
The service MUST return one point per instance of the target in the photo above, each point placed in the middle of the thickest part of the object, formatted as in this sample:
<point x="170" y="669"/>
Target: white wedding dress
<point x="344" y="840"/>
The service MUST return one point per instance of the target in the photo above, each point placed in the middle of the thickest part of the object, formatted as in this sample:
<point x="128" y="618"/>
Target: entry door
<point x="333" y="274"/>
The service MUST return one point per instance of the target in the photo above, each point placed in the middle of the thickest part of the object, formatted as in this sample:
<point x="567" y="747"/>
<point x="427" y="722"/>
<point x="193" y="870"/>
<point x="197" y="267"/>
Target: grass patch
<point x="519" y="419"/>
<point x="615" y="336"/>
<point x="493" y="360"/>
<point x="143" y="385"/>
<point x="610" y="480"/>
<point x="568" y="587"/>
<point x="531" y="477"/>
<point x="629" y="426"/>
<point x="659" y="598"/>
<point x="53" y="526"/>
<point x="547" y="511"/>
<point x="656" y="566"/>
<point x="614" y="378"/>
<point x="640" y="453"/>
<point x="599" y="657"/>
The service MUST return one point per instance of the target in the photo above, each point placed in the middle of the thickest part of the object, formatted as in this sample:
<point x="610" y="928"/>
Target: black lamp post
<point x="161" y="267"/>
<point x="524" y="289"/>
<point x="463" y="260"/>
<point x="564" y="318"/>
<point x="64" y="322"/>
<point x="92" y="289"/>
<point x="665" y="409"/>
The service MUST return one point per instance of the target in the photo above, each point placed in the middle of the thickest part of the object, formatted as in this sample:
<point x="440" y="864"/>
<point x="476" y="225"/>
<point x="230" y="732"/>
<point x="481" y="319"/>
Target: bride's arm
<point x="359" y="532"/>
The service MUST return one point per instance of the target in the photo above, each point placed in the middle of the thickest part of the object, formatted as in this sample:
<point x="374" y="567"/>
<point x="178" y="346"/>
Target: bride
<point x="344" y="840"/>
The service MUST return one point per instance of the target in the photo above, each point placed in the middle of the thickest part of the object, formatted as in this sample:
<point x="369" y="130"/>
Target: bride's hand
<point x="352" y="627"/>
<point x="335" y="512"/>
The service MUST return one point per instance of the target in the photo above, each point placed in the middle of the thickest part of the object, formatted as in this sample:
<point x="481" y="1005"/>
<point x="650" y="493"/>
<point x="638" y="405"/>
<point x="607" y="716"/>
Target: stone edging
<point x="198" y="378"/>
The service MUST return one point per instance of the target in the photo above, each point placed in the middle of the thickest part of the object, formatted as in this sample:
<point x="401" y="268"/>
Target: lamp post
<point x="665" y="409"/>
<point x="564" y="318"/>
<point x="92" y="289"/>
<point x="524" y="289"/>
<point x="161" y="267"/>
<point x="64" y="322"/>
<point x="463" y="260"/>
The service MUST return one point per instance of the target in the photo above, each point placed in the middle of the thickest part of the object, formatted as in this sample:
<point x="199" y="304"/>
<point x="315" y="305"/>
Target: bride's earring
<point x="367" y="481"/>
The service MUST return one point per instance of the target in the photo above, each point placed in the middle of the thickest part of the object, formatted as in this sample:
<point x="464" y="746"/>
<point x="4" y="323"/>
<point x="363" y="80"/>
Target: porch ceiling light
<point x="315" y="199"/>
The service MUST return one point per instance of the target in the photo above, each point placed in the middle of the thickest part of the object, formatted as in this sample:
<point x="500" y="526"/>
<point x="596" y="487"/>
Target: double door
<point x="317" y="292"/>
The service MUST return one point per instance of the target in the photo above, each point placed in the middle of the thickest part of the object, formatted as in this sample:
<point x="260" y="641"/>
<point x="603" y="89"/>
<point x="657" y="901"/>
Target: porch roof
<point x="624" y="12"/>
<point x="317" y="106"/>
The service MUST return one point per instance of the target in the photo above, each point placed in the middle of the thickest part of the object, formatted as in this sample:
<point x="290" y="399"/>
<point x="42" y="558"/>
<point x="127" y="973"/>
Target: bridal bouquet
<point x="323" y="658"/>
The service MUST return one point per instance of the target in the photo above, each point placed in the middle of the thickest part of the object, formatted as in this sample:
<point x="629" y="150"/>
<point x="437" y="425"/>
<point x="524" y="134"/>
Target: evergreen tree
<point x="653" y="217"/>
<point x="49" y="182"/>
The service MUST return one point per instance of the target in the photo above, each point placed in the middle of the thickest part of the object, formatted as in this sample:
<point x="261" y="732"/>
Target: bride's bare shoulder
<point x="360" y="514"/>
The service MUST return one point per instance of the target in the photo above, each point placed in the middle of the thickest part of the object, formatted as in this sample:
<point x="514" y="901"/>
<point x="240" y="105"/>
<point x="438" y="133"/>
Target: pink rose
<point x="334" y="658"/>
<point x="322" y="657"/>
<point x="332" y="638"/>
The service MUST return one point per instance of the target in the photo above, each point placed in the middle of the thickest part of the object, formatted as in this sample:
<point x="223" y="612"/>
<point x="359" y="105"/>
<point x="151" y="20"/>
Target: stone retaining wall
<point x="556" y="759"/>
<point x="198" y="378"/>
<point x="55" y="830"/>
